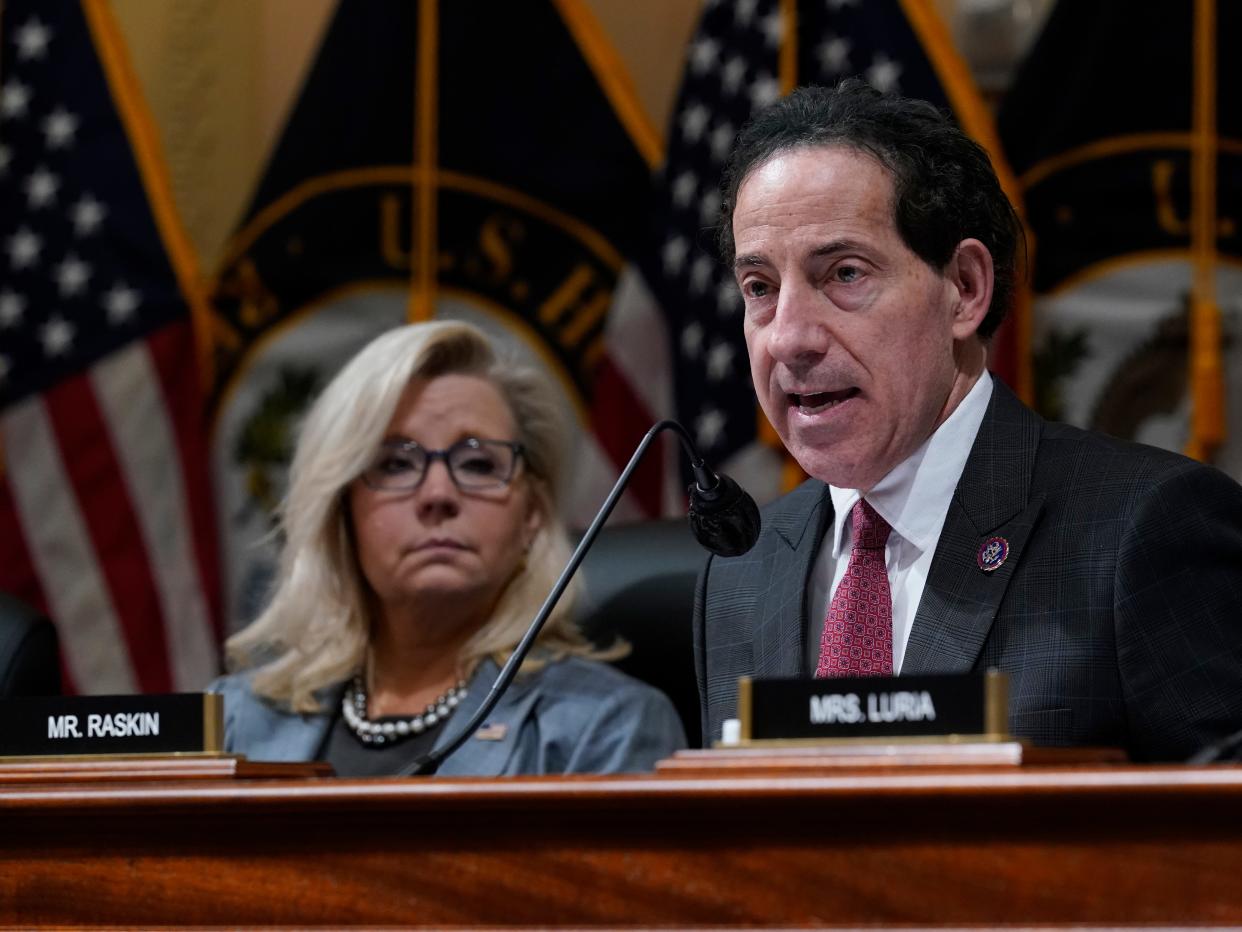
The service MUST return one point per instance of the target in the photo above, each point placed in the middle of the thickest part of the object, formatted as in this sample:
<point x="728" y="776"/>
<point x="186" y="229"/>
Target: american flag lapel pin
<point x="492" y="732"/>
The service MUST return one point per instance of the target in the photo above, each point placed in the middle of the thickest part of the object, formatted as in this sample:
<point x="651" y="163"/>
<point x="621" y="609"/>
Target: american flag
<point x="744" y="55"/>
<point x="105" y="522"/>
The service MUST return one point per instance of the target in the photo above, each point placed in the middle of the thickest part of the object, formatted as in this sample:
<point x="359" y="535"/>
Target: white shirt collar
<point x="914" y="497"/>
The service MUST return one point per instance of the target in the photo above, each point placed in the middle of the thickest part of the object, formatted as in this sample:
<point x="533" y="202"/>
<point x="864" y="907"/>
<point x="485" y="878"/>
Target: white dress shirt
<point x="914" y="499"/>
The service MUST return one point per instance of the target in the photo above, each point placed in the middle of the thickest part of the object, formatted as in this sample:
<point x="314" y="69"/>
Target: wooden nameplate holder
<point x="86" y="739"/>
<point x="803" y="725"/>
<point x="803" y="760"/>
<point x="153" y="769"/>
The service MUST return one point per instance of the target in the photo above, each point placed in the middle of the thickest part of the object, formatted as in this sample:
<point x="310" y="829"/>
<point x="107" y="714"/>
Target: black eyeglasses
<point x="473" y="464"/>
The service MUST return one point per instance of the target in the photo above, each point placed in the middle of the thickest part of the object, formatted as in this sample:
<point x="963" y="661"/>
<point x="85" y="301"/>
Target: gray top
<point x="349" y="757"/>
<point x="572" y="716"/>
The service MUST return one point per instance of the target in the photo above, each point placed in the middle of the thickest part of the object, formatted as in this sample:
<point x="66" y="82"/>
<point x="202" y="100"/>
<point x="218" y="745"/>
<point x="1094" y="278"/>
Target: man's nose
<point x="799" y="331"/>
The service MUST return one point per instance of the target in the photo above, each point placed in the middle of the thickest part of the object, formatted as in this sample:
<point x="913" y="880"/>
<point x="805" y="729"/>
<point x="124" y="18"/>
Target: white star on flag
<point x="728" y="298"/>
<point x="71" y="276"/>
<point x="24" y="248"/>
<point x="701" y="274"/>
<point x="59" y="128"/>
<point x="694" y="121"/>
<point x="709" y="207"/>
<point x="120" y="302"/>
<point x="719" y="361"/>
<point x="744" y="11"/>
<point x="721" y="141"/>
<point x="764" y="91"/>
<point x="883" y="74"/>
<point x="773" y="28"/>
<point x="692" y="340"/>
<point x="14" y="99"/>
<point x="708" y="427"/>
<point x="32" y="39"/>
<point x="57" y="336"/>
<point x="834" y="55"/>
<point x="12" y="306"/>
<point x="674" y="255"/>
<point x="703" y="54"/>
<point x="734" y="74"/>
<point x="88" y="214"/>
<point x="41" y="188"/>
<point x="684" y="188"/>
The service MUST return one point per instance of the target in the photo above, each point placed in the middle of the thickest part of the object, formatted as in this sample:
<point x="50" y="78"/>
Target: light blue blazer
<point x="572" y="716"/>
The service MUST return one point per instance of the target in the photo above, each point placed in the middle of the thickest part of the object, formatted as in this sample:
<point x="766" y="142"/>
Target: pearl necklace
<point x="354" y="711"/>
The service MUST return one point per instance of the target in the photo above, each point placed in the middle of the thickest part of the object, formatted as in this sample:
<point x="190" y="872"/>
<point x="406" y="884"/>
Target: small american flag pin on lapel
<point x="494" y="732"/>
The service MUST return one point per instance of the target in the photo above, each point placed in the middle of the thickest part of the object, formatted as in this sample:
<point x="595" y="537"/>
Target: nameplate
<point x="66" y="726"/>
<point x="939" y="706"/>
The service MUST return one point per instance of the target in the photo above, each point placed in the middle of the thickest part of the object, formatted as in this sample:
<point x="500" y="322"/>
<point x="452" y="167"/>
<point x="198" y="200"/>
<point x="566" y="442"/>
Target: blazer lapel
<point x="486" y="753"/>
<point x="992" y="500"/>
<point x="798" y="528"/>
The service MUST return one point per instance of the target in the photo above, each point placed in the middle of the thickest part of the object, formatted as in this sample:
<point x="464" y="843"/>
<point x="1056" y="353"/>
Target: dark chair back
<point x="639" y="580"/>
<point x="29" y="651"/>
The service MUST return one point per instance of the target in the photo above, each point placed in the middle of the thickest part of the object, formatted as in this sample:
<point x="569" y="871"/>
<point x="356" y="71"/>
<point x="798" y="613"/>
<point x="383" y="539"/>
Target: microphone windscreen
<point x="724" y="519"/>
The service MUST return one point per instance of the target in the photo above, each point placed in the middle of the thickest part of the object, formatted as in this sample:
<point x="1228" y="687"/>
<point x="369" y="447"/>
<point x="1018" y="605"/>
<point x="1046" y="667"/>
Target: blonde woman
<point x="420" y="538"/>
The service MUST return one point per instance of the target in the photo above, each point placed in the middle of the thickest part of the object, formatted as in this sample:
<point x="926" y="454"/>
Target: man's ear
<point x="970" y="274"/>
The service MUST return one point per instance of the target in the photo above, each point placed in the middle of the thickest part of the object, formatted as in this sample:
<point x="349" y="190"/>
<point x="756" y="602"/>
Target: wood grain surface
<point x="1085" y="844"/>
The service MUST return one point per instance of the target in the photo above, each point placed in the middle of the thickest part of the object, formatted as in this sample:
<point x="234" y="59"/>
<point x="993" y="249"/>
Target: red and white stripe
<point x="108" y="522"/>
<point x="633" y="390"/>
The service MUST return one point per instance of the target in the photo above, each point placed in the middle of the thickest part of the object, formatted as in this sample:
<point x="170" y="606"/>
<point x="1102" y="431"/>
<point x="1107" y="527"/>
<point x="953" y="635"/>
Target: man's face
<point x="851" y="335"/>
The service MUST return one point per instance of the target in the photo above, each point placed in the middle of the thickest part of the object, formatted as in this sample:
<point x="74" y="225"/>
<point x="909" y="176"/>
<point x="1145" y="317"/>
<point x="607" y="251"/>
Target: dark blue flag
<point x="481" y="161"/>
<point x="1125" y="127"/>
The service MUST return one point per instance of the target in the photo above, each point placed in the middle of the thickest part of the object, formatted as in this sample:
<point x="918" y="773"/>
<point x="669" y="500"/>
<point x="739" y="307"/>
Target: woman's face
<point x="440" y="552"/>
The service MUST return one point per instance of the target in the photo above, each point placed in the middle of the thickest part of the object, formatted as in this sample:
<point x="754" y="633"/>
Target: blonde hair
<point x="316" y="630"/>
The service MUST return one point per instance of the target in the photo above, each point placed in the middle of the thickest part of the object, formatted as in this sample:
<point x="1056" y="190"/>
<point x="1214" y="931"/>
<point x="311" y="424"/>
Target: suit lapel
<point x="992" y="500"/>
<point x="798" y="528"/>
<point x="488" y="755"/>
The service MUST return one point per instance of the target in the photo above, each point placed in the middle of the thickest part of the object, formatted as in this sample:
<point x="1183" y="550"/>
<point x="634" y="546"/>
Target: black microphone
<point x="723" y="517"/>
<point x="727" y="520"/>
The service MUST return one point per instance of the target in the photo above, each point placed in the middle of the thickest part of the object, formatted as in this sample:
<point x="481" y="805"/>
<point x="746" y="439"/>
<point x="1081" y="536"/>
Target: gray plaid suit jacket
<point x="1117" y="614"/>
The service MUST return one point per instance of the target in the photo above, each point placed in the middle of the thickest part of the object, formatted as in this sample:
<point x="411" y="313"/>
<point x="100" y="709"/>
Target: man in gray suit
<point x="946" y="526"/>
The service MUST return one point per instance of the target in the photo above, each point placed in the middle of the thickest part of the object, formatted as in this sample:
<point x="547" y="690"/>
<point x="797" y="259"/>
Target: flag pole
<point x="426" y="179"/>
<point x="1207" y="426"/>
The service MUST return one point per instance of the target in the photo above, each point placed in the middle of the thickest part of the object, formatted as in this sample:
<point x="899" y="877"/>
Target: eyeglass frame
<point x="518" y="449"/>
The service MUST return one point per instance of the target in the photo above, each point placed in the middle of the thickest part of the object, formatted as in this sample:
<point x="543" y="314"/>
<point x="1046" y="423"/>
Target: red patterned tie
<point x="858" y="635"/>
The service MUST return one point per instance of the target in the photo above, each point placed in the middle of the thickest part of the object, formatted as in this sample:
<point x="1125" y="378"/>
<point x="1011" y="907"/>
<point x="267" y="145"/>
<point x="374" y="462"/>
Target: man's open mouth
<point x="821" y="401"/>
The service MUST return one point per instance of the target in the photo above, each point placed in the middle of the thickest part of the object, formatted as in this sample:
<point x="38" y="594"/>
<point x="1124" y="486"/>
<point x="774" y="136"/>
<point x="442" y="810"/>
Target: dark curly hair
<point x="945" y="189"/>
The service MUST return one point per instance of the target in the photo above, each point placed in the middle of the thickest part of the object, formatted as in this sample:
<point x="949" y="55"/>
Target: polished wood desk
<point x="1104" y="844"/>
